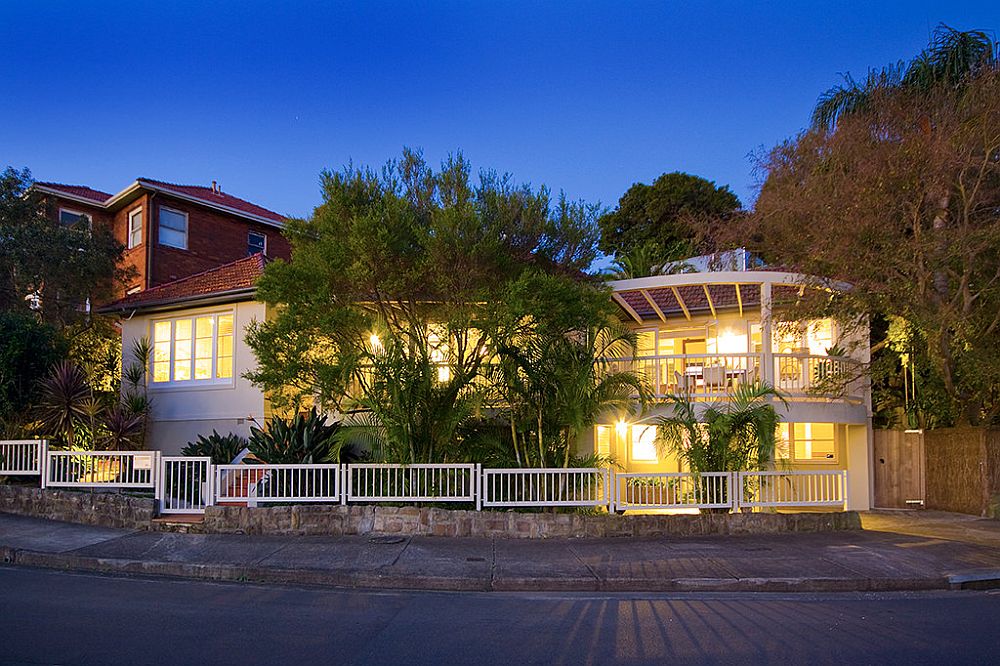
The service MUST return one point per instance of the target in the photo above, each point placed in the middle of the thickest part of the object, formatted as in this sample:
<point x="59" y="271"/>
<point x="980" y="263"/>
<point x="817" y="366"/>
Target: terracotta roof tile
<point x="78" y="191"/>
<point x="234" y="276"/>
<point x="207" y="195"/>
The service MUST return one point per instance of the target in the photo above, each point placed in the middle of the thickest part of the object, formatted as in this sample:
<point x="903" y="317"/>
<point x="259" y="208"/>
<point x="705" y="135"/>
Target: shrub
<point x="222" y="449"/>
<point x="305" y="439"/>
<point x="28" y="351"/>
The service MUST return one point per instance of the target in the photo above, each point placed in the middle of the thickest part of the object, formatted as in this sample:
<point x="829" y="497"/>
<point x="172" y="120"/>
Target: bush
<point x="304" y="439"/>
<point x="222" y="449"/>
<point x="28" y="351"/>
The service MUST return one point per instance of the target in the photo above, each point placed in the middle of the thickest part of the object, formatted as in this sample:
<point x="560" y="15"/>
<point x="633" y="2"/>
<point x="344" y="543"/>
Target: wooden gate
<point x="899" y="469"/>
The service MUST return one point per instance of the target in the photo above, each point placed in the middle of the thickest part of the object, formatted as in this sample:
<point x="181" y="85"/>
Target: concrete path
<point x="894" y="552"/>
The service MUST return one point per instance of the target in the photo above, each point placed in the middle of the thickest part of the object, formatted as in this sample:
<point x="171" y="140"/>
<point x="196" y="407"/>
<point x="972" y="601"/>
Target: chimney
<point x="215" y="187"/>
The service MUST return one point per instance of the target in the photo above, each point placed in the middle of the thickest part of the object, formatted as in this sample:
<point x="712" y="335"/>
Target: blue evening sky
<point x="580" y="96"/>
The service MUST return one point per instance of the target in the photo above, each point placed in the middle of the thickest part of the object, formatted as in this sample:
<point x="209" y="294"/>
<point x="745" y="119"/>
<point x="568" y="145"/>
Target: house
<point x="171" y="231"/>
<point x="699" y="333"/>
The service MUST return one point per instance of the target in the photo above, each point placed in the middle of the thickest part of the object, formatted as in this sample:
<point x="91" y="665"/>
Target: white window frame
<point x="187" y="228"/>
<point x="256" y="233"/>
<point x="90" y="219"/>
<point x="790" y="458"/>
<point x="131" y="216"/>
<point x="213" y="382"/>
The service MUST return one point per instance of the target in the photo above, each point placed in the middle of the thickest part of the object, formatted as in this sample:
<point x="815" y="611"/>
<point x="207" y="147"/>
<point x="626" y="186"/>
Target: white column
<point x="858" y="448"/>
<point x="767" y="359"/>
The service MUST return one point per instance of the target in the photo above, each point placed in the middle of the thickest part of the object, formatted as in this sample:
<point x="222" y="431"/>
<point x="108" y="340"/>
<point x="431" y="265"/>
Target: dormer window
<point x="256" y="242"/>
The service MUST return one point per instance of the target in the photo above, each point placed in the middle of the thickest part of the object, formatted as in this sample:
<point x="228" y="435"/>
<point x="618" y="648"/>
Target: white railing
<point x="277" y="483"/>
<point x="793" y="488"/>
<point x="101" y="469"/>
<point x="185" y="484"/>
<point x="516" y="487"/>
<point x="701" y="375"/>
<point x="805" y="374"/>
<point x="674" y="490"/>
<point x="22" y="456"/>
<point x="414" y="483"/>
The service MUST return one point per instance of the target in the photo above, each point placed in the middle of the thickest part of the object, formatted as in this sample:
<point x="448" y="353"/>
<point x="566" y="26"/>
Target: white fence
<point x="793" y="488"/>
<point x="189" y="484"/>
<point x="674" y="490"/>
<point x="277" y="483"/>
<point x="22" y="456"/>
<point x="101" y="469"/>
<point x="412" y="483"/>
<point x="517" y="487"/>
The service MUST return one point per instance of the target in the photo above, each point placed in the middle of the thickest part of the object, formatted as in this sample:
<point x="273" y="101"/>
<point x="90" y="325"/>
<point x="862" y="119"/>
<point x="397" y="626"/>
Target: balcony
<point x="712" y="376"/>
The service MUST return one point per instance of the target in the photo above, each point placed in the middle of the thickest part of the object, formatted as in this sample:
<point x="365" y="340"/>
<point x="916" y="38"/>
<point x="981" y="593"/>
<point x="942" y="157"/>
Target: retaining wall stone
<point x="104" y="509"/>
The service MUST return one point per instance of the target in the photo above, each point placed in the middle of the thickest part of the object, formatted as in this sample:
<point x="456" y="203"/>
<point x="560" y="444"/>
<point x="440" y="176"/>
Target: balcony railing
<point x="714" y="375"/>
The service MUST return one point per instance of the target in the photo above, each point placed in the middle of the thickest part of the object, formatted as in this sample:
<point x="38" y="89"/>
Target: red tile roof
<point x="207" y="195"/>
<point x="238" y="275"/>
<point x="78" y="191"/>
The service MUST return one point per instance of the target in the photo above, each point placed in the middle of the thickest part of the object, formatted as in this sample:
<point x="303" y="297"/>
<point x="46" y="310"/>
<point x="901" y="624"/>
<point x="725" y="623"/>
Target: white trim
<point x="66" y="195"/>
<point x="258" y="233"/>
<point x="725" y="278"/>
<point x="145" y="184"/>
<point x="187" y="228"/>
<point x="128" y="227"/>
<point x="212" y="382"/>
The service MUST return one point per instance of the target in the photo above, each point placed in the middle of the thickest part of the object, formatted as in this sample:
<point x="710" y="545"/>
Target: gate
<point x="185" y="484"/>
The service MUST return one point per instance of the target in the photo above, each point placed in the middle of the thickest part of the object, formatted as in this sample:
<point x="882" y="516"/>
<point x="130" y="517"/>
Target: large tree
<point x="49" y="268"/>
<point x="658" y="223"/>
<point x="398" y="294"/>
<point x="896" y="189"/>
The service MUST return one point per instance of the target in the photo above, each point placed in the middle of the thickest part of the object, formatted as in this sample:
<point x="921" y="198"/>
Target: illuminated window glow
<point x="644" y="443"/>
<point x="806" y="442"/>
<point x="193" y="350"/>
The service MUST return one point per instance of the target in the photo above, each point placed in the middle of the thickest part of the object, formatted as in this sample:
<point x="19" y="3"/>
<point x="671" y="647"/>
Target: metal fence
<point x="22" y="456"/>
<point x="674" y="490"/>
<point x="516" y="487"/>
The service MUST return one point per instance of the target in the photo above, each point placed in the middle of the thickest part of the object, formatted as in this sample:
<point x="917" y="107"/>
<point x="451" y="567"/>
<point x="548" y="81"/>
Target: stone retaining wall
<point x="104" y="509"/>
<point x="341" y="520"/>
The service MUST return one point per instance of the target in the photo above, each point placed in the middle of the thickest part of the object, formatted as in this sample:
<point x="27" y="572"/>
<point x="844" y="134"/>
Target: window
<point x="68" y="218"/>
<point x="644" y="443"/>
<point x="256" y="242"/>
<point x="806" y="442"/>
<point x="602" y="444"/>
<point x="173" y="229"/>
<point x="135" y="228"/>
<point x="192" y="350"/>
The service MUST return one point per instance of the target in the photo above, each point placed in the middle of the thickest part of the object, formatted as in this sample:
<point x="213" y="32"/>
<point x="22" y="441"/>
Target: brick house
<point x="171" y="231"/>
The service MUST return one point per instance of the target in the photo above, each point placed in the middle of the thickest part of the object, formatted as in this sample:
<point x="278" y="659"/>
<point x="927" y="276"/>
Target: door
<point x="899" y="469"/>
<point x="185" y="484"/>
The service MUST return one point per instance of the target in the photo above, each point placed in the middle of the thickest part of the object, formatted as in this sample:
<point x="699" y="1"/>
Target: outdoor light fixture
<point x="374" y="341"/>
<point x="621" y="427"/>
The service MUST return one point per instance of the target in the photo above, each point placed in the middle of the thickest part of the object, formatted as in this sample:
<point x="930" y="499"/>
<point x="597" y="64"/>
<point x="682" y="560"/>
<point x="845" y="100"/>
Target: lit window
<point x="135" y="228"/>
<point x="69" y="218"/>
<point x="193" y="349"/>
<point x="173" y="230"/>
<point x="603" y="441"/>
<point x="644" y="443"/>
<point x="437" y="343"/>
<point x="806" y="442"/>
<point x="256" y="243"/>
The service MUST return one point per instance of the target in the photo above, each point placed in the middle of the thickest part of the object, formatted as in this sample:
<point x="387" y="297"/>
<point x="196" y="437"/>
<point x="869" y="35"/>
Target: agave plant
<point x="65" y="399"/>
<point x="123" y="428"/>
<point x="222" y="449"/>
<point x="305" y="439"/>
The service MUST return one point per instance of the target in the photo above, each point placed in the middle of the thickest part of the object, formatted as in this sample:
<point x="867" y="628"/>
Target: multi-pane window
<point x="806" y="442"/>
<point x="256" y="242"/>
<point x="135" y="228"/>
<point x="193" y="349"/>
<point x="173" y="229"/>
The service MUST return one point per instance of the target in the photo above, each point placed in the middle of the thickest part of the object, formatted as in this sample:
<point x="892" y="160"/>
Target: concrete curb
<point x="375" y="580"/>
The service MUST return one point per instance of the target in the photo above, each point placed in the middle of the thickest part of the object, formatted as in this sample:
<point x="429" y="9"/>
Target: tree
<point x="900" y="197"/>
<point x="47" y="267"/>
<point x="28" y="351"/>
<point x="661" y="220"/>
<point x="392" y="291"/>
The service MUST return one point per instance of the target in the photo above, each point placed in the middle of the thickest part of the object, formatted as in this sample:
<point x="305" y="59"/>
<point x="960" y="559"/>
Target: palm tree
<point x="734" y="435"/>
<point x="951" y="58"/>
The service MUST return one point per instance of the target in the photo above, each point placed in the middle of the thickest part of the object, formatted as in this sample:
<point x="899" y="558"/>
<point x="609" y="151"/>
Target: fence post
<point x="735" y="490"/>
<point x="610" y="486"/>
<point x="844" y="487"/>
<point x="209" y="489"/>
<point x="43" y="461"/>
<point x="477" y="485"/>
<point x="345" y="480"/>
<point x="158" y="474"/>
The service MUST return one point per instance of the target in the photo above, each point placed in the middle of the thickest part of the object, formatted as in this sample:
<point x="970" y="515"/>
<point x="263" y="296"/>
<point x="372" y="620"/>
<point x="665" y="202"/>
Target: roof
<point x="206" y="195"/>
<point x="80" y="191"/>
<point x="229" y="280"/>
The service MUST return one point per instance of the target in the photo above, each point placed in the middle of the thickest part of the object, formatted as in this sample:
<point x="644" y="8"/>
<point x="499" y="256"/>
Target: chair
<point x="714" y="377"/>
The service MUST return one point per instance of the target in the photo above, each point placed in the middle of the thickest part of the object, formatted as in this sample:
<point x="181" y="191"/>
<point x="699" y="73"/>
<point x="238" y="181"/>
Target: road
<point x="53" y="617"/>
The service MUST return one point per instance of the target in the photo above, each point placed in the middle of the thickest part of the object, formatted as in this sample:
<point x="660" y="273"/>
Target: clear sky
<point x="580" y="96"/>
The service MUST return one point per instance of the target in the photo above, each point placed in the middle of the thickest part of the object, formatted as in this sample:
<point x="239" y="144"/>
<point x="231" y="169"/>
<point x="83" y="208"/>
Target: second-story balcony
<point x="713" y="376"/>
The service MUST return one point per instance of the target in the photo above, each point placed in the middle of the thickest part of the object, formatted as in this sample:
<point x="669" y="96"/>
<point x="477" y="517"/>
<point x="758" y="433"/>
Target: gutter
<point x="218" y="298"/>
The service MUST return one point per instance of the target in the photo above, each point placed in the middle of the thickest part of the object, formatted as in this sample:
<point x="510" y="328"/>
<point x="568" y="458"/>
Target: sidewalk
<point x="916" y="551"/>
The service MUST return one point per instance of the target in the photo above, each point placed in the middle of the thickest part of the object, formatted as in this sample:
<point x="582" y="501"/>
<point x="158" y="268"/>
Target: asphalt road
<point x="61" y="618"/>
